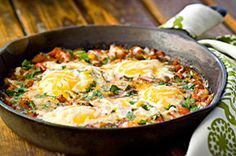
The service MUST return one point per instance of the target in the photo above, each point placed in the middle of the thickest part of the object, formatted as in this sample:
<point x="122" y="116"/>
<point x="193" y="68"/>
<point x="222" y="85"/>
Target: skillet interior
<point x="175" y="43"/>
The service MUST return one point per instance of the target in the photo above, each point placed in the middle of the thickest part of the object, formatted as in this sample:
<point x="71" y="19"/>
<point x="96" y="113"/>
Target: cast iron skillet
<point x="83" y="141"/>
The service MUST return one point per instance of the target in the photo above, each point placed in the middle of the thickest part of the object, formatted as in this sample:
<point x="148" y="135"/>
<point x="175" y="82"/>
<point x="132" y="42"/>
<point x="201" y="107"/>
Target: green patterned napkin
<point x="216" y="135"/>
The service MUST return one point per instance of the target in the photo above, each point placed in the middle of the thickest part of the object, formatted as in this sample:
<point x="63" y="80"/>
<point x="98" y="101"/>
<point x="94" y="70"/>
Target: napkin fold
<point x="216" y="135"/>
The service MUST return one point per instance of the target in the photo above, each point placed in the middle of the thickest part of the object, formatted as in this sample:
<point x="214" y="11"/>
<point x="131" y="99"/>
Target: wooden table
<point x="25" y="17"/>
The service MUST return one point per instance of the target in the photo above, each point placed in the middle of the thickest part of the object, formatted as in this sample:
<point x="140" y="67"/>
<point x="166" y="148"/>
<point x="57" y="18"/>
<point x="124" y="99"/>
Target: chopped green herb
<point x="188" y="86"/>
<point x="195" y="107"/>
<point x="188" y="74"/>
<point x="173" y="70"/>
<point x="132" y="92"/>
<point x="30" y="104"/>
<point x="154" y="117"/>
<point x="22" y="84"/>
<point x="91" y="87"/>
<point x="132" y="102"/>
<point x="177" y="79"/>
<point x="81" y="54"/>
<point x="128" y="87"/>
<point x="27" y="64"/>
<point x="130" y="116"/>
<point x="44" y="106"/>
<point x="142" y="122"/>
<point x="98" y="94"/>
<point x="70" y="52"/>
<point x="16" y="91"/>
<point x="114" y="89"/>
<point x="60" y="104"/>
<point x="146" y="107"/>
<point x="170" y="106"/>
<point x="105" y="61"/>
<point x="33" y="73"/>
<point x="10" y="92"/>
<point x="63" y="67"/>
<point x="40" y="95"/>
<point x="162" y="83"/>
<point x="128" y="78"/>
<point x="186" y="103"/>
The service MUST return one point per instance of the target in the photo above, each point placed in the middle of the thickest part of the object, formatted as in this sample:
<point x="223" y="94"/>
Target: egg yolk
<point x="163" y="95"/>
<point x="61" y="82"/>
<point x="71" y="115"/>
<point x="83" y="114"/>
<point x="136" y="68"/>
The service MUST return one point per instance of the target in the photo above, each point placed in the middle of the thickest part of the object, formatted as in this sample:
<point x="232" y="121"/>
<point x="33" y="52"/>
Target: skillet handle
<point x="196" y="19"/>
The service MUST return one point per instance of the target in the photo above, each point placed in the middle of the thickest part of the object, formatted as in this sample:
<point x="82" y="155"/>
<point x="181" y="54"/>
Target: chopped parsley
<point x="177" y="79"/>
<point x="91" y="87"/>
<point x="114" y="89"/>
<point x="40" y="95"/>
<point x="130" y="116"/>
<point x="98" y="94"/>
<point x="128" y="87"/>
<point x="44" y="106"/>
<point x="22" y="84"/>
<point x="170" y="106"/>
<point x="31" y="104"/>
<point x="132" y="92"/>
<point x="132" y="102"/>
<point x="146" y="107"/>
<point x="162" y="83"/>
<point x="81" y="54"/>
<point x="16" y="91"/>
<point x="142" y="122"/>
<point x="33" y="73"/>
<point x="188" y="86"/>
<point x="27" y="64"/>
<point x="105" y="61"/>
<point x="189" y="103"/>
<point x="188" y="74"/>
<point x="63" y="67"/>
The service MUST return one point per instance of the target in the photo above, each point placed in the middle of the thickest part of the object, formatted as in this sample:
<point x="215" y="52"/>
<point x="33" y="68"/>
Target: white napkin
<point x="216" y="135"/>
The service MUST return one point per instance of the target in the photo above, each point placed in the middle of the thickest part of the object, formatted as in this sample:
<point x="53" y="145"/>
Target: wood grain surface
<point x="25" y="17"/>
<point x="10" y="28"/>
<point x="41" y="15"/>
<point x="130" y="12"/>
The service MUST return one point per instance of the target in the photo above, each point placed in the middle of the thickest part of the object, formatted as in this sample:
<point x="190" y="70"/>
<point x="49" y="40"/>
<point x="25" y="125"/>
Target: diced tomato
<point x="41" y="66"/>
<point x="179" y="74"/>
<point x="61" y="98"/>
<point x="183" y="110"/>
<point x="23" y="103"/>
<point x="54" y="52"/>
<point x="195" y="95"/>
<point x="7" y="102"/>
<point x="38" y="58"/>
<point x="30" y="83"/>
<point x="159" y="119"/>
<point x="32" y="114"/>
<point x="160" y="53"/>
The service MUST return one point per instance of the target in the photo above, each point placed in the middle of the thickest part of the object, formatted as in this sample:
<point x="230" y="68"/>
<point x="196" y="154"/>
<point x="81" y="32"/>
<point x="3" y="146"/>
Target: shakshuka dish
<point x="105" y="88"/>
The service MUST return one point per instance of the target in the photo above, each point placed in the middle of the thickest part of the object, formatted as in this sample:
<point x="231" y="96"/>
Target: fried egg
<point x="146" y="69"/>
<point x="162" y="96"/>
<point x="71" y="115"/>
<point x="63" y="82"/>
